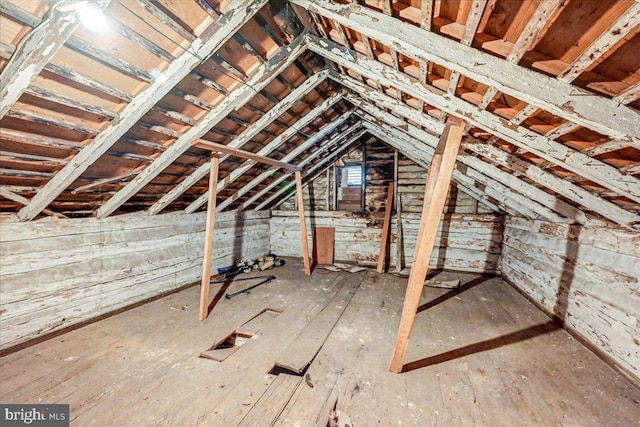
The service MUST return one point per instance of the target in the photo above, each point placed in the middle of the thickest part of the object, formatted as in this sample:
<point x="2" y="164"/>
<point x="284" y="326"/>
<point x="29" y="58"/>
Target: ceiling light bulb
<point x="92" y="17"/>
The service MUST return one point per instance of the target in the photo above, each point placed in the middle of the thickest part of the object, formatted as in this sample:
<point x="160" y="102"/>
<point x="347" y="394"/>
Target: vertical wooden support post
<point x="303" y="225"/>
<point x="386" y="227"/>
<point x="399" y="237"/>
<point x="437" y="187"/>
<point x="208" y="238"/>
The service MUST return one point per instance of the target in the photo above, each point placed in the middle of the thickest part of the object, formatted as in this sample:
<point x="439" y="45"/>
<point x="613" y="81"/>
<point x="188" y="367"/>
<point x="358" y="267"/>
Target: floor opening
<point x="236" y="339"/>
<point x="225" y="348"/>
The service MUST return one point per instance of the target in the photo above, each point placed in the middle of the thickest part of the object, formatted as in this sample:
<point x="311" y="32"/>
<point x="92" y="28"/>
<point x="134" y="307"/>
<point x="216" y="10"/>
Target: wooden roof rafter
<point x="409" y="146"/>
<point x="531" y="197"/>
<point x="235" y="100"/>
<point x="211" y="39"/>
<point x="241" y="139"/>
<point x="352" y="142"/>
<point x="552" y="151"/>
<point x="35" y="52"/>
<point x="331" y="141"/>
<point x="287" y="158"/>
<point x="272" y="145"/>
<point x="574" y="193"/>
<point x="562" y="99"/>
<point x="580" y="145"/>
<point x="236" y="152"/>
<point x="625" y="25"/>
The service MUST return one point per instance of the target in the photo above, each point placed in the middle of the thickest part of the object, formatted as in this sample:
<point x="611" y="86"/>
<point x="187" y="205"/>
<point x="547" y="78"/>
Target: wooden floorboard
<point x="478" y="355"/>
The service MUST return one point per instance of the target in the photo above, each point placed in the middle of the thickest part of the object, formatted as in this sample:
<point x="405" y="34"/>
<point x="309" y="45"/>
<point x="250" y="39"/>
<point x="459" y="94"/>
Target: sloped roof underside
<point x="104" y="123"/>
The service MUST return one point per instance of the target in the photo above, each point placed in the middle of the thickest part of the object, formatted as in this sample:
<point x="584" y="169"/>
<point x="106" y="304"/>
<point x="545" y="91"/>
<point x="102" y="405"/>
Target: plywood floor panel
<point x="482" y="355"/>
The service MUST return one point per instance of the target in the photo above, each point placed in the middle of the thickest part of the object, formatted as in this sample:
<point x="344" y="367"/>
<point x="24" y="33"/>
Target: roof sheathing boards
<point x="519" y="113"/>
<point x="582" y="48"/>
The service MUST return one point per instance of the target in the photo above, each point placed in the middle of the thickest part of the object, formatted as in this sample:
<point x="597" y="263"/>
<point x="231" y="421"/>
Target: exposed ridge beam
<point x="534" y="199"/>
<point x="623" y="27"/>
<point x="288" y="158"/>
<point x="236" y="99"/>
<point x="241" y="139"/>
<point x="568" y="158"/>
<point x="34" y="53"/>
<point x="560" y="98"/>
<point x="571" y="191"/>
<point x="314" y="169"/>
<point x="211" y="39"/>
<point x="321" y="148"/>
<point x="267" y="149"/>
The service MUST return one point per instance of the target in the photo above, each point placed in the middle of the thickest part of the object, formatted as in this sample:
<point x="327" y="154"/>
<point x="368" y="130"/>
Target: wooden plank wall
<point x="465" y="242"/>
<point x="411" y="181"/>
<point x="318" y="194"/>
<point x="59" y="273"/>
<point x="470" y="236"/>
<point x="587" y="276"/>
<point x="379" y="173"/>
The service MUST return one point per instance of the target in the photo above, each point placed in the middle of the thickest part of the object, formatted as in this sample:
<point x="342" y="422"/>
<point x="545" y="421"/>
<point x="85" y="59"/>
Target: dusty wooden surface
<point x="482" y="355"/>
<point x="464" y="242"/>
<point x="56" y="273"/>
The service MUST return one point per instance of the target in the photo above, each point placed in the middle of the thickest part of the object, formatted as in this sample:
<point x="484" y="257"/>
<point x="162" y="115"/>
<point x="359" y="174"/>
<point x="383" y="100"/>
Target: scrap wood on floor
<point x="336" y="266"/>
<point x="443" y="284"/>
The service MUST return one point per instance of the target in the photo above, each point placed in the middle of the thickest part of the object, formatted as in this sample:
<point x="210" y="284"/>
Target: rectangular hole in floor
<point x="236" y="339"/>
<point x="225" y="348"/>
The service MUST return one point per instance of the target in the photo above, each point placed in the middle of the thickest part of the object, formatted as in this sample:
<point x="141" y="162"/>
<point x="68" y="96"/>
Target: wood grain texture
<point x="303" y="225"/>
<point x="208" y="238"/>
<point x="68" y="271"/>
<point x="586" y="277"/>
<point x="324" y="240"/>
<point x="464" y="242"/>
<point x="435" y="193"/>
<point x="506" y="369"/>
<point x="385" y="229"/>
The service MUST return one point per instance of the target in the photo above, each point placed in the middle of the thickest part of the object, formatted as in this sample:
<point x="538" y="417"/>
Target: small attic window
<point x="354" y="176"/>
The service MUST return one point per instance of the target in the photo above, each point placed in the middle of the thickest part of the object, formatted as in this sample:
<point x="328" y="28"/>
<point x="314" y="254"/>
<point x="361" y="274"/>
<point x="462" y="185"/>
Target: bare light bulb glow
<point x="92" y="17"/>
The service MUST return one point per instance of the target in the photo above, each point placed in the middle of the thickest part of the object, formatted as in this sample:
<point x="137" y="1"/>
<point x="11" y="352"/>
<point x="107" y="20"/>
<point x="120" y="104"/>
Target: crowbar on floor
<point x="248" y="290"/>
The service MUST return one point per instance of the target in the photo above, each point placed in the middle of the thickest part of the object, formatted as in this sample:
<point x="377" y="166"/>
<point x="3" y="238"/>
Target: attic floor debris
<point x="480" y="355"/>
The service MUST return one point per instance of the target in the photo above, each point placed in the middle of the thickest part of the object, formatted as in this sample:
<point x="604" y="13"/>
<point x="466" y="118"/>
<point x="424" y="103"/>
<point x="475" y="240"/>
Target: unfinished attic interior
<point x="453" y="187"/>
